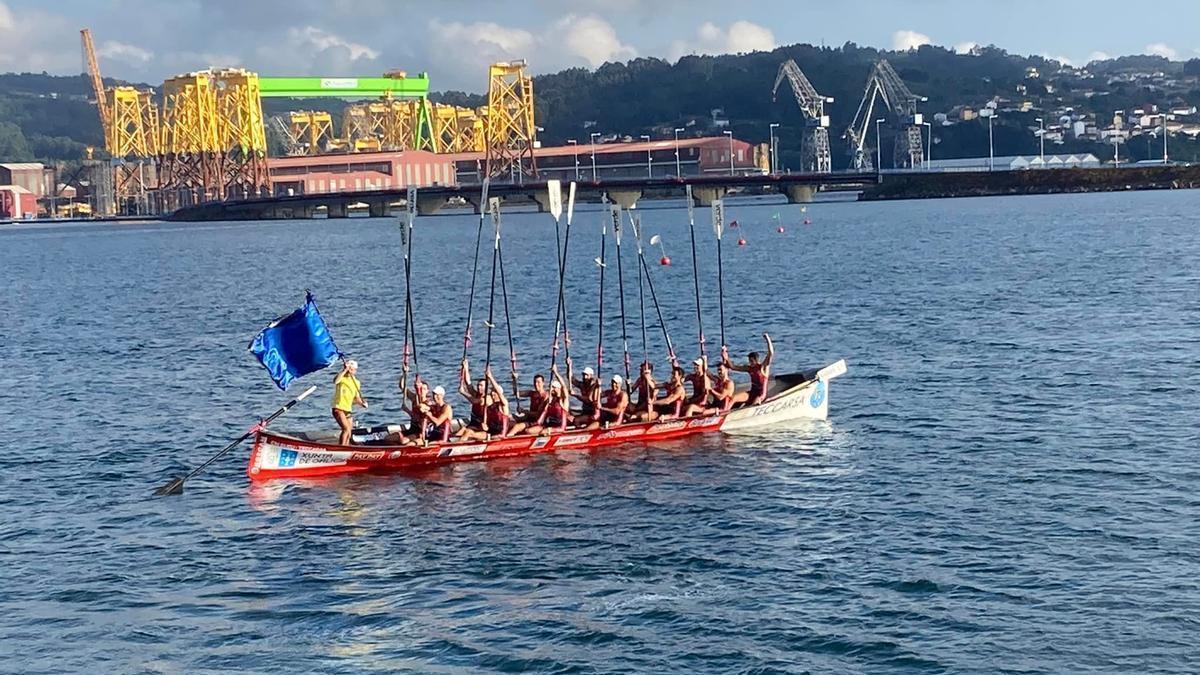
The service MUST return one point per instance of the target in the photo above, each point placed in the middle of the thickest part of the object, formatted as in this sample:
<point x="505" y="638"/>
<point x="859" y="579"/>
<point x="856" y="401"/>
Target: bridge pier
<point x="705" y="196"/>
<point x="800" y="194"/>
<point x="377" y="209"/>
<point x="429" y="205"/>
<point x="542" y="197"/>
<point x="627" y="199"/>
<point x="335" y="210"/>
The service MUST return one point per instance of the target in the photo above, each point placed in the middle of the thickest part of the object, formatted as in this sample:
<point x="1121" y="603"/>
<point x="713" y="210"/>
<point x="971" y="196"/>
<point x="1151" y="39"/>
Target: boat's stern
<point x="807" y="399"/>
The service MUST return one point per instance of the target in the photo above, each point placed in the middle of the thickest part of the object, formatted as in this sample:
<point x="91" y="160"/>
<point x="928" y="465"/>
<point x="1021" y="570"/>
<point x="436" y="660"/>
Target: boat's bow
<point x="792" y="396"/>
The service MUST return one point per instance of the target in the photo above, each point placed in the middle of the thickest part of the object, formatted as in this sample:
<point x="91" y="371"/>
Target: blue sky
<point x="453" y="40"/>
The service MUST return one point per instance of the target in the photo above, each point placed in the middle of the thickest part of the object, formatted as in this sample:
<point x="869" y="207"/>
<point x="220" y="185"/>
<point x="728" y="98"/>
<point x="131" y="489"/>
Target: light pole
<point x="771" y="129"/>
<point x="730" y="135"/>
<point x="1042" y="141"/>
<point x="991" y="146"/>
<point x="878" y="147"/>
<point x="593" y="138"/>
<point x="1164" y="138"/>
<point x="678" y="171"/>
<point x="1116" y="142"/>
<point x="575" y="151"/>
<point x="649" y="163"/>
<point x="929" y="154"/>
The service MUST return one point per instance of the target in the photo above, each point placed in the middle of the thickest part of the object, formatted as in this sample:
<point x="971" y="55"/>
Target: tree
<point x="13" y="146"/>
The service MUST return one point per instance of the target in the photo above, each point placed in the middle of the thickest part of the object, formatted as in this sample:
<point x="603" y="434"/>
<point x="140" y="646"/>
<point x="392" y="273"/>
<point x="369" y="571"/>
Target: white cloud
<point x="487" y="38"/>
<point x="591" y="38"/>
<point x="6" y="17"/>
<point x="322" y="41"/>
<point x="1160" y="49"/>
<point x="1098" y="56"/>
<point x="121" y="51"/>
<point x="965" y="47"/>
<point x="741" y="37"/>
<point x="903" y="40"/>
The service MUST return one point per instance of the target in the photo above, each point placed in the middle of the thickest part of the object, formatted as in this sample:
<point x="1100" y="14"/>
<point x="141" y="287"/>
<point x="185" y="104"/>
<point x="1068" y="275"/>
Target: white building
<point x="1016" y="163"/>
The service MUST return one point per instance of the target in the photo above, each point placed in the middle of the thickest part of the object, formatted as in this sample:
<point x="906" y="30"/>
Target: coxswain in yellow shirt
<point x="346" y="392"/>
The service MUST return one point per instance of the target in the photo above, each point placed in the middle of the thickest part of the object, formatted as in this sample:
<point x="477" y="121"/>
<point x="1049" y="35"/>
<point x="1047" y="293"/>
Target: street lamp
<point x="575" y="151"/>
<point x="593" y="138"/>
<point x="678" y="171"/>
<point x="929" y="154"/>
<point x="649" y="170"/>
<point x="991" y="114"/>
<point x="730" y="135"/>
<point x="771" y="130"/>
<point x="1042" y="141"/>
<point x="878" y="147"/>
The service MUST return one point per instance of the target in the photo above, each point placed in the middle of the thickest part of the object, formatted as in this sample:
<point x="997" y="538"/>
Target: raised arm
<point x="770" y="350"/>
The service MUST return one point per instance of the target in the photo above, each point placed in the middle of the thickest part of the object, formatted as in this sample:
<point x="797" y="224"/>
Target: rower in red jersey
<point x="645" y="387"/>
<point x="538" y="398"/>
<point x="613" y="403"/>
<point x="497" y="421"/>
<point x="557" y="413"/>
<point x="670" y="404"/>
<point x="723" y="390"/>
<point x="701" y="388"/>
<point x="589" y="394"/>
<point x="759" y="371"/>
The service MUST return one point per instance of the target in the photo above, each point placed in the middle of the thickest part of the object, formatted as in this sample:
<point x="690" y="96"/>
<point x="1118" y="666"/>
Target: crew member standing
<point x="346" y="392"/>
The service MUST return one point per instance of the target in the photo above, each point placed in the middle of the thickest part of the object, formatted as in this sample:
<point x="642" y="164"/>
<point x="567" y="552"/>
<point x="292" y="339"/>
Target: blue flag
<point x="295" y="345"/>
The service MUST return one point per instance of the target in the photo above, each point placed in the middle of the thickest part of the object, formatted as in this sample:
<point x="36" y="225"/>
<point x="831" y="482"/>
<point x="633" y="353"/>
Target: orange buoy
<point x="741" y="242"/>
<point x="664" y="261"/>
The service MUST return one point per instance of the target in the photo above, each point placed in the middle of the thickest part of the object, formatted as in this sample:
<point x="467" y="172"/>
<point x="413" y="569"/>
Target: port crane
<point x="885" y="84"/>
<point x="815" y="152"/>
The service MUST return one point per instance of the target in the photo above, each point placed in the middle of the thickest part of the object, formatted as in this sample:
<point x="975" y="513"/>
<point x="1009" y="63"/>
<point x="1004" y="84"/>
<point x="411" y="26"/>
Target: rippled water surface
<point x="1007" y="483"/>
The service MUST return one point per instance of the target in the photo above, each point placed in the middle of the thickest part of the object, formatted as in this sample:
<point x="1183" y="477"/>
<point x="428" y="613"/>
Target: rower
<point x="414" y="400"/>
<point x="497" y="420"/>
<point x="670" y="404"/>
<point x="645" y="386"/>
<point x="437" y="414"/>
<point x="556" y="413"/>
<point x="346" y="392"/>
<point x="538" y="398"/>
<point x="589" y="394"/>
<point x="759" y="371"/>
<point x="613" y="403"/>
<point x="701" y="388"/>
<point x="723" y="390"/>
<point x="474" y="396"/>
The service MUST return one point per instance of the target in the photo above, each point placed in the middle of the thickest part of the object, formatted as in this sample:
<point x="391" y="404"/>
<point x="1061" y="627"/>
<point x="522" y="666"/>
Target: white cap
<point x="555" y="384"/>
<point x="589" y="372"/>
<point x="617" y="379"/>
<point x="352" y="364"/>
<point x="698" y="362"/>
<point x="439" y="390"/>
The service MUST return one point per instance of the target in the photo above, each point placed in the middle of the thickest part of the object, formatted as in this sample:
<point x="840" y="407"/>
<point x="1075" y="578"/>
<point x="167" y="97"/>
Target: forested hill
<point x="49" y="118"/>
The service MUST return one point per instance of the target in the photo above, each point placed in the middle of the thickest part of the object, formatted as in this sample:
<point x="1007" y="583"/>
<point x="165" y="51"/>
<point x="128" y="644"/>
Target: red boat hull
<point x="279" y="455"/>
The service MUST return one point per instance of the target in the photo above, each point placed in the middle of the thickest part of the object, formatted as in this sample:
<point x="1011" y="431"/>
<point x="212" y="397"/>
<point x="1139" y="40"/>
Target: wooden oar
<point x="175" y="487"/>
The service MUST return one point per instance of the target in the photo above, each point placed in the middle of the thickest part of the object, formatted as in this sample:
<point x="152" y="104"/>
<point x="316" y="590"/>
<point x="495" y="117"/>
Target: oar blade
<point x="175" y="487"/>
<point x="690" y="205"/>
<point x="718" y="217"/>
<point x="655" y="240"/>
<point x="570" y="202"/>
<point x="615" y="213"/>
<point x="554" y="188"/>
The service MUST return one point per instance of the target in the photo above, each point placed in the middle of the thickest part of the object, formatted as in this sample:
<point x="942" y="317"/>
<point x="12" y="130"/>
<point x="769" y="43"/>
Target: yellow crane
<point x="93" y="66"/>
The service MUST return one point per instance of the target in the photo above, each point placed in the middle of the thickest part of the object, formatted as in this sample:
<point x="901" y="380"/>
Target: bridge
<point x="797" y="187"/>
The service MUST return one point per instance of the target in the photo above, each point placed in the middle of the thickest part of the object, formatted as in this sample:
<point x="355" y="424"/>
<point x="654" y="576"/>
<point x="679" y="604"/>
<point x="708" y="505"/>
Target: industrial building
<point x="313" y="174"/>
<point x="17" y="203"/>
<point x="1016" y="163"/>
<point x="28" y="175"/>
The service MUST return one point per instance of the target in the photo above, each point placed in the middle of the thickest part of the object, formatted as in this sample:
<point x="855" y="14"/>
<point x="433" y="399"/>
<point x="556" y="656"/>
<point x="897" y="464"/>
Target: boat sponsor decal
<point x="620" y="433"/>
<point x="286" y="458"/>
<point x="818" y="395"/>
<point x="782" y="404"/>
<point x="574" y="439"/>
<point x="515" y="444"/>
<point x="462" y="450"/>
<point x="366" y="456"/>
<point x="314" y="458"/>
<point x="704" y="422"/>
<point x="540" y="442"/>
<point x="663" y="427"/>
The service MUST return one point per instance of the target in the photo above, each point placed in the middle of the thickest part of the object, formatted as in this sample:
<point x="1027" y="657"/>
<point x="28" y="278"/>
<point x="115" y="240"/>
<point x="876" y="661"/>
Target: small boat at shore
<point x="790" y="397"/>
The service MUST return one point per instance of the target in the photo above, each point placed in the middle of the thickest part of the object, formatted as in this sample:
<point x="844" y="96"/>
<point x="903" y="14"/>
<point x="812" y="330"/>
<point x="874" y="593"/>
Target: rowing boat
<point x="790" y="397"/>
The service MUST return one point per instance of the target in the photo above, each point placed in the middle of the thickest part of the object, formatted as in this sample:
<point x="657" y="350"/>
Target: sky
<point x="454" y="40"/>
